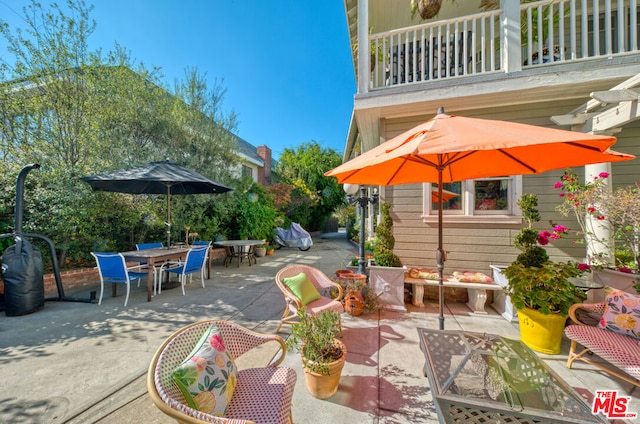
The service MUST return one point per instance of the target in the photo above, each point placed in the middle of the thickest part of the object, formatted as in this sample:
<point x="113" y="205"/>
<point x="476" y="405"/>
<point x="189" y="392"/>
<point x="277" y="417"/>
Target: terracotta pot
<point x="270" y="252"/>
<point x="542" y="333"/>
<point x="354" y="302"/>
<point x="341" y="272"/>
<point x="323" y="386"/>
<point x="353" y="276"/>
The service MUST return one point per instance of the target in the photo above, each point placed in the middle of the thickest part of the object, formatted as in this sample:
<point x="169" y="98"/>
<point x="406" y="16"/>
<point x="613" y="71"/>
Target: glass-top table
<point x="486" y="378"/>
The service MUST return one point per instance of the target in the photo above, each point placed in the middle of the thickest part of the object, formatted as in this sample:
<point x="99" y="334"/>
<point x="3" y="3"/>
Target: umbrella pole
<point x="440" y="254"/>
<point x="168" y="216"/>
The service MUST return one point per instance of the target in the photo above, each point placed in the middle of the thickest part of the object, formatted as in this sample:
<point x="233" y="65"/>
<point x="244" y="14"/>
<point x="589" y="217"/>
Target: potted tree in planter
<point x="540" y="289"/>
<point x="323" y="355"/>
<point x="387" y="275"/>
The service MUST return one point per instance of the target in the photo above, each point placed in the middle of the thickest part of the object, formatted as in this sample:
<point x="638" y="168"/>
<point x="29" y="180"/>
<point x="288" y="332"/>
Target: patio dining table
<point x="152" y="257"/>
<point x="239" y="249"/>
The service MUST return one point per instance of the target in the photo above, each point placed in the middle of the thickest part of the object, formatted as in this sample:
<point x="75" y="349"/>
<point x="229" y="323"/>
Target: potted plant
<point x="359" y="297"/>
<point x="539" y="288"/>
<point x="615" y="259"/>
<point x="260" y="250"/>
<point x="323" y="355"/>
<point x="387" y="275"/>
<point x="270" y="249"/>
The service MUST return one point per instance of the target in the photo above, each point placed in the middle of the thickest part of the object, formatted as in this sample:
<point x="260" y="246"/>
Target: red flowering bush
<point x="600" y="210"/>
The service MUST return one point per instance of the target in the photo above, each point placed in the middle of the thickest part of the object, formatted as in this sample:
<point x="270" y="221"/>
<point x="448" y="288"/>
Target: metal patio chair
<point x="194" y="262"/>
<point x="113" y="269"/>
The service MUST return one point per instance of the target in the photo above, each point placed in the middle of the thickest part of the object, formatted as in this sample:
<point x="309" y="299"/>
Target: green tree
<point x="385" y="241"/>
<point x="77" y="111"/>
<point x="315" y="196"/>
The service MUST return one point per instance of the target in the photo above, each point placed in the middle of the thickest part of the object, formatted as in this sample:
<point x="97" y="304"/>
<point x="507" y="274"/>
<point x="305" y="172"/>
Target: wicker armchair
<point x="262" y="395"/>
<point x="619" y="350"/>
<point x="320" y="281"/>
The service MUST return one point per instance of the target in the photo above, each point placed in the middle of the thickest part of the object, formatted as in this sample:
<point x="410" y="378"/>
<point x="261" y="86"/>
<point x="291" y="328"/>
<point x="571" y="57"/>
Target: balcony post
<point x="511" y="40"/>
<point x="364" y="74"/>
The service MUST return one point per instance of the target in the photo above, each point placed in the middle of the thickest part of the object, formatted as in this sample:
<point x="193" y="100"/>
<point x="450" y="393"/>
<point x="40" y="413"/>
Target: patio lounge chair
<point x="320" y="281"/>
<point x="113" y="269"/>
<point x="261" y="394"/>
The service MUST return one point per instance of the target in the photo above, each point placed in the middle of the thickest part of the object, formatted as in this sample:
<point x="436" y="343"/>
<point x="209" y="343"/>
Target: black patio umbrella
<point x="165" y="177"/>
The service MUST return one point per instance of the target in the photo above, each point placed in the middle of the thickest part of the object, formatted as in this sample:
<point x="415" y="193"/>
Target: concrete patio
<point x="86" y="363"/>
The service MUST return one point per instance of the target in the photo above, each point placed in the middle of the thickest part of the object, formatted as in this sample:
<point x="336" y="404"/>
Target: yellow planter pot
<point x="542" y="333"/>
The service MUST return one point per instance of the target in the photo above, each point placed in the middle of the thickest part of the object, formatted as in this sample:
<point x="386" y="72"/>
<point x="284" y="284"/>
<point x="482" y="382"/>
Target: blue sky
<point x="286" y="64"/>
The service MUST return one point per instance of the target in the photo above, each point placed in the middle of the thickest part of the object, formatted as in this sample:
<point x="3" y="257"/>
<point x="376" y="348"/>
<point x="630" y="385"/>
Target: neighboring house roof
<point x="248" y="152"/>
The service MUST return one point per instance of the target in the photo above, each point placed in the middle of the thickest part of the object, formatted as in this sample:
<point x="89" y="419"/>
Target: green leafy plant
<point x="314" y="337"/>
<point x="534" y="281"/>
<point x="385" y="242"/>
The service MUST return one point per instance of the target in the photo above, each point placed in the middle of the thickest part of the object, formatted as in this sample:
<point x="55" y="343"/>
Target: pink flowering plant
<point x="596" y="207"/>
<point x="535" y="281"/>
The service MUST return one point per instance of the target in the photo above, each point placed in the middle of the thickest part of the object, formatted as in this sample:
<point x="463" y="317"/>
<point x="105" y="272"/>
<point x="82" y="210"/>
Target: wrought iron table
<point x="490" y="379"/>
<point x="239" y="249"/>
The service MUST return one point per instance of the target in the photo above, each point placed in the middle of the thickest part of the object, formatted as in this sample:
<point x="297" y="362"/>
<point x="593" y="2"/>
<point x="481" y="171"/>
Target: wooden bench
<point x="477" y="292"/>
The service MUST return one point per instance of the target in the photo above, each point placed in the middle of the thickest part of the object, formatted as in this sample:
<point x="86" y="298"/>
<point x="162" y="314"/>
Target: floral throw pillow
<point x="621" y="314"/>
<point x="207" y="377"/>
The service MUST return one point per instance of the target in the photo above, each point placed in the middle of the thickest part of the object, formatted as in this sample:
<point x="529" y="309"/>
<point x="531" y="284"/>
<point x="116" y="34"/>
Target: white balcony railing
<point x="563" y="30"/>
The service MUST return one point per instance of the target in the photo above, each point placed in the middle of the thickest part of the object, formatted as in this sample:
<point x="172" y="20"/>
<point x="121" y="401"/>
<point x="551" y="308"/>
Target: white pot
<point x="388" y="284"/>
<point x="501" y="301"/>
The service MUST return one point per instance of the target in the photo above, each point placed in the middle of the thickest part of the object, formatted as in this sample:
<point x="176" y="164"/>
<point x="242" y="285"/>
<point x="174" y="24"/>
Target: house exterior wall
<point x="513" y="90"/>
<point x="474" y="246"/>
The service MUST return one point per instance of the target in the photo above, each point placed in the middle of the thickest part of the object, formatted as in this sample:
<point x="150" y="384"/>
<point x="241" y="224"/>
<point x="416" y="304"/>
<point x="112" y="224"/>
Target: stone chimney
<point x="264" y="174"/>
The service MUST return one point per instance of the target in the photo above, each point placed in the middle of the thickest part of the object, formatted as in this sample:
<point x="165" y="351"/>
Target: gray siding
<point x="476" y="246"/>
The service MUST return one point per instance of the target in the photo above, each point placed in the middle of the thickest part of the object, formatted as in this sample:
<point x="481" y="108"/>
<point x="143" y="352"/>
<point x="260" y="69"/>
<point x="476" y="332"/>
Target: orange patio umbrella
<point x="450" y="148"/>
<point x="446" y="195"/>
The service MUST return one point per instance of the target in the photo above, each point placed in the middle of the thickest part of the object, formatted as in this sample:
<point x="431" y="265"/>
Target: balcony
<point x="531" y="36"/>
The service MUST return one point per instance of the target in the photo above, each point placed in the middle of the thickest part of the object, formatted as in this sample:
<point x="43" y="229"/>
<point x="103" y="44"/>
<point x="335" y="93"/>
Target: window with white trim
<point x="486" y="199"/>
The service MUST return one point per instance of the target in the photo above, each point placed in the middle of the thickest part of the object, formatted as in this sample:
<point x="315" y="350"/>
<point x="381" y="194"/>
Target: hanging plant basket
<point x="429" y="8"/>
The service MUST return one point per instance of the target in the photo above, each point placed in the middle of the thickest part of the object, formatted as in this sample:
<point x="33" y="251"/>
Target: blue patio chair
<point x="113" y="269"/>
<point x="194" y="262"/>
<point x="156" y="269"/>
<point x="205" y="243"/>
<point x="201" y="243"/>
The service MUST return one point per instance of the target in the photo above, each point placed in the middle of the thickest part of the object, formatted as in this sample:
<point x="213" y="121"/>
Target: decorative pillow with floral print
<point x="208" y="376"/>
<point x="621" y="314"/>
